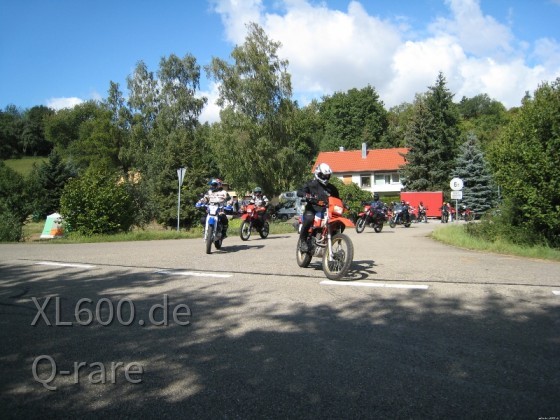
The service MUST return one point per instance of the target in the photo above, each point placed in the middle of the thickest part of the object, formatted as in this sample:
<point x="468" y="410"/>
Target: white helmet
<point x="322" y="173"/>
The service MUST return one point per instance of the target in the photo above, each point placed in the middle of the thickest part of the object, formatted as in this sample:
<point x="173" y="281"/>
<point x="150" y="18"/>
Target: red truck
<point x="433" y="200"/>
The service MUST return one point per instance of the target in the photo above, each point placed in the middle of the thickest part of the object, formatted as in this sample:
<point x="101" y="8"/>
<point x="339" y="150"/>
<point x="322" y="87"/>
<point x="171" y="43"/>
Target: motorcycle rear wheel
<point x="245" y="230"/>
<point x="343" y="254"/>
<point x="209" y="236"/>
<point x="264" y="230"/>
<point x="302" y="258"/>
<point x="360" y="224"/>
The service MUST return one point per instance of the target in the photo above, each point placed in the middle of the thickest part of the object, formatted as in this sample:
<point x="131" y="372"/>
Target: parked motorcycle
<point x="400" y="216"/>
<point x="254" y="218"/>
<point x="213" y="227"/>
<point x="466" y="214"/>
<point x="371" y="217"/>
<point x="328" y="242"/>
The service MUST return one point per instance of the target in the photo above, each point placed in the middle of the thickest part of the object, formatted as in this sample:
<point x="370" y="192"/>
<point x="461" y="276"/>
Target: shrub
<point x="96" y="203"/>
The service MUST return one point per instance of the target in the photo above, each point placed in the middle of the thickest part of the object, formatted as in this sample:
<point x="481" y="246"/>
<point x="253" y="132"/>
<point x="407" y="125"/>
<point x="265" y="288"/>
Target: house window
<point x="396" y="178"/>
<point x="382" y="179"/>
<point x="365" y="181"/>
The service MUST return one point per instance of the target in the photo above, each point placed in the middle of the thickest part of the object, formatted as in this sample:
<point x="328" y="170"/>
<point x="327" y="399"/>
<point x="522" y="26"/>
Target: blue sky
<point x="61" y="52"/>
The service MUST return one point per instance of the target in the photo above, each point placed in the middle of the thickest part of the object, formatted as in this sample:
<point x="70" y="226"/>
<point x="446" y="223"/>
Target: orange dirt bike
<point x="328" y="242"/>
<point x="254" y="218"/>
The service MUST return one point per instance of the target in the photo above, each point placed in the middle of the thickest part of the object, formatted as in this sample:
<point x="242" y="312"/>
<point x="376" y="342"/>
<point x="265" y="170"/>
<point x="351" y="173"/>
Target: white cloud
<point x="61" y="103"/>
<point x="332" y="50"/>
<point x="211" y="112"/>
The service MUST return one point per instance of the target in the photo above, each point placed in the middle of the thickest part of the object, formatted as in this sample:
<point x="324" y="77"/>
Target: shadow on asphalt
<point x="377" y="355"/>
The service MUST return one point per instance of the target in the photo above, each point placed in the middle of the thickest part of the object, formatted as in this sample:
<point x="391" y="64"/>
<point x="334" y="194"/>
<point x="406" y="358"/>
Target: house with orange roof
<point x="375" y="170"/>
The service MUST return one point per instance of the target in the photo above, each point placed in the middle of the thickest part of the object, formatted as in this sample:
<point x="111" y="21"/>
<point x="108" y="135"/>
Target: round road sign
<point x="456" y="184"/>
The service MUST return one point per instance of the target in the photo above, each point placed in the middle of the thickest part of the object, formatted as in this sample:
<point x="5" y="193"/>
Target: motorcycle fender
<point x="245" y="217"/>
<point x="212" y="221"/>
<point x="361" y="214"/>
<point x="345" y="222"/>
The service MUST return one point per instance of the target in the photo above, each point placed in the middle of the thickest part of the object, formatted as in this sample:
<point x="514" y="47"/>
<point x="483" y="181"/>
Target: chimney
<point x="341" y="149"/>
<point x="364" y="150"/>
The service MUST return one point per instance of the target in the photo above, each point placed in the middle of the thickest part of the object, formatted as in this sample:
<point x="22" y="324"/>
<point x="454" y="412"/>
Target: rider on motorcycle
<point x="216" y="194"/>
<point x="259" y="200"/>
<point x="376" y="204"/>
<point x="317" y="190"/>
<point x="405" y="211"/>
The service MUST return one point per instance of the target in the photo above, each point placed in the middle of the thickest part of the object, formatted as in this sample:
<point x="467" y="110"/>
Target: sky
<point x="59" y="53"/>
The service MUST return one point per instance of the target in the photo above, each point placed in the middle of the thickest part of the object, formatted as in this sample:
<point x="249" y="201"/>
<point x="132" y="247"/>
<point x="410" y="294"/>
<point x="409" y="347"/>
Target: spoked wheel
<point x="209" y="235"/>
<point x="245" y="231"/>
<point x="343" y="254"/>
<point x="360" y="224"/>
<point x="303" y="258"/>
<point x="264" y="230"/>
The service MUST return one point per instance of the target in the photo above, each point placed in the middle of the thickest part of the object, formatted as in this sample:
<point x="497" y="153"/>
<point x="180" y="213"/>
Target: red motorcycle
<point x="371" y="217"/>
<point x="328" y="242"/>
<point x="254" y="218"/>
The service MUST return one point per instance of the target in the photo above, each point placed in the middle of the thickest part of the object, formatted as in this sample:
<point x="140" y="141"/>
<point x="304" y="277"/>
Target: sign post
<point x="181" y="175"/>
<point x="456" y="185"/>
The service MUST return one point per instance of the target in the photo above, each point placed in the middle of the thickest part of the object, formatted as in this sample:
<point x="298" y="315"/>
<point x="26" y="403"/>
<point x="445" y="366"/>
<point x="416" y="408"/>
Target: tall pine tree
<point x="432" y="135"/>
<point x="472" y="168"/>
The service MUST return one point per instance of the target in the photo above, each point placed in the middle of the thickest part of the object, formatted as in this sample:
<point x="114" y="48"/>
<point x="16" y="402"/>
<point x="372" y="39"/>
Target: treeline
<point x="127" y="149"/>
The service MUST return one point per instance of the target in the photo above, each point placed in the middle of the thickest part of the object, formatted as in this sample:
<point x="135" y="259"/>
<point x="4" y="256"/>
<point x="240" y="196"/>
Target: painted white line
<point x="556" y="292"/>
<point x="386" y="285"/>
<point x="56" y="264"/>
<point x="193" y="273"/>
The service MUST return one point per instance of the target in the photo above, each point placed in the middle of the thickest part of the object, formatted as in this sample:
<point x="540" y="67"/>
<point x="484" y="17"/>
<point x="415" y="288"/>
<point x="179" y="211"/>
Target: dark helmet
<point x="375" y="196"/>
<point x="323" y="173"/>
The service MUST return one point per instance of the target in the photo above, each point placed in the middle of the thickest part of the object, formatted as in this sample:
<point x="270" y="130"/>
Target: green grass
<point x="456" y="236"/>
<point x="32" y="233"/>
<point x="24" y="165"/>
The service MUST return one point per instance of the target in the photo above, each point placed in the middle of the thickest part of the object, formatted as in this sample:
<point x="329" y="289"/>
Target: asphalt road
<point x="419" y="330"/>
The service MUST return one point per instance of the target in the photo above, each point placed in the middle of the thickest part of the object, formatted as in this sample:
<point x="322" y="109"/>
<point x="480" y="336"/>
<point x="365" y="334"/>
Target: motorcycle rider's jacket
<point x="220" y="197"/>
<point x="261" y="201"/>
<point x="377" y="205"/>
<point x="319" y="192"/>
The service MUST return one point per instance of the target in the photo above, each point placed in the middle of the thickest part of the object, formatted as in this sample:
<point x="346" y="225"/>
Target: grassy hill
<point x="24" y="165"/>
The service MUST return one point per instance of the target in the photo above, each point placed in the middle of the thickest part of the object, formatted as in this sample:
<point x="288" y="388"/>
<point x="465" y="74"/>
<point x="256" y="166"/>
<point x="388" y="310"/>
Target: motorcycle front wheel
<point x="264" y="230"/>
<point x="302" y="258"/>
<point x="343" y="254"/>
<point x="209" y="237"/>
<point x="360" y="224"/>
<point x="245" y="230"/>
<point x="378" y="227"/>
<point x="392" y="224"/>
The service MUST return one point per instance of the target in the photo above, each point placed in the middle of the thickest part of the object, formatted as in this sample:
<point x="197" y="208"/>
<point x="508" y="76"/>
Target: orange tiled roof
<point x="352" y="161"/>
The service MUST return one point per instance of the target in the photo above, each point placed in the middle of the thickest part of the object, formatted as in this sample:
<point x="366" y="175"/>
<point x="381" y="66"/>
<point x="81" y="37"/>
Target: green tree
<point x="164" y="112"/>
<point x="254" y="143"/>
<point x="14" y="206"/>
<point x="85" y="136"/>
<point x="98" y="203"/>
<point x="33" y="141"/>
<point x="46" y="183"/>
<point x="525" y="161"/>
<point x="353" y="118"/>
<point x="433" y="141"/>
<point x="398" y="119"/>
<point x="482" y="116"/>
<point x="11" y="129"/>
<point x="471" y="166"/>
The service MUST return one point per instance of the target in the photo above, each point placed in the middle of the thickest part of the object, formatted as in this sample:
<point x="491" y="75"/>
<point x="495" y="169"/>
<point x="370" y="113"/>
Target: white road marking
<point x="56" y="264"/>
<point x="386" y="285"/>
<point x="556" y="292"/>
<point x="193" y="273"/>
